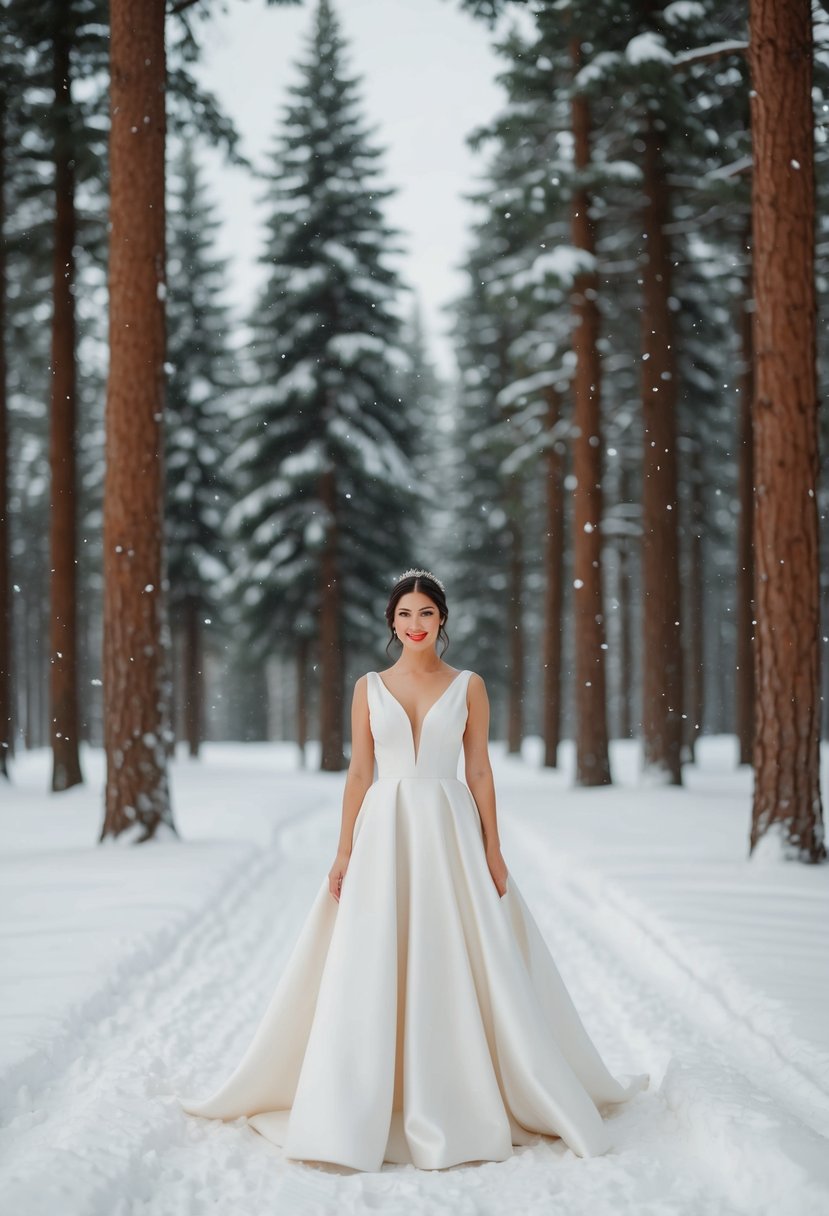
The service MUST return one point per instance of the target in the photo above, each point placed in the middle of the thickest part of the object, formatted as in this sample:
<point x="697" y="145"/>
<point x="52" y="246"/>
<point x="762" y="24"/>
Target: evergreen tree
<point x="12" y="123"/>
<point x="326" y="483"/>
<point x="62" y="40"/>
<point x="55" y="174"/>
<point x="424" y="394"/>
<point x="787" y="795"/>
<point x="200" y="378"/>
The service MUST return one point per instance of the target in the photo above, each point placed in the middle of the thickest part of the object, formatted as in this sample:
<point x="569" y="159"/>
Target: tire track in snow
<point x="97" y="1120"/>
<point x="748" y="1133"/>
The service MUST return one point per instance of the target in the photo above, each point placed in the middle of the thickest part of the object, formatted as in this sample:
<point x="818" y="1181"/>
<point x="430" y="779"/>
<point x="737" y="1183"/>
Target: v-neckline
<point x="416" y="749"/>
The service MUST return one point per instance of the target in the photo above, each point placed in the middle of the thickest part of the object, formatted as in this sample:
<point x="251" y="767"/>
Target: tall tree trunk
<point x="29" y="677"/>
<point x="331" y="677"/>
<point x="303" y="647"/>
<point x="824" y="675"/>
<point x="625" y="642"/>
<point x="592" y="759"/>
<point x="193" y="675"/>
<point x="787" y="595"/>
<point x="744" y="683"/>
<point x="626" y="630"/>
<point x="695" y="652"/>
<point x="515" y="622"/>
<point x="134" y="667"/>
<point x="6" y="633"/>
<point x="63" y="640"/>
<point x="553" y="581"/>
<point x="662" y="698"/>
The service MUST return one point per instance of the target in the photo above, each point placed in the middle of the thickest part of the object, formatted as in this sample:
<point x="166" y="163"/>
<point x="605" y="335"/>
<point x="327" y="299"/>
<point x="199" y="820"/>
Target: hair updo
<point x="428" y="586"/>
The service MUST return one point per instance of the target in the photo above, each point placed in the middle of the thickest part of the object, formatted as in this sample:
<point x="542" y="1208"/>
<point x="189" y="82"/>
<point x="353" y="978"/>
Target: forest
<point x="623" y="485"/>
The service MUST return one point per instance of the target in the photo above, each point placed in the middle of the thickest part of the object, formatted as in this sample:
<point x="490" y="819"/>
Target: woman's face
<point x="417" y="621"/>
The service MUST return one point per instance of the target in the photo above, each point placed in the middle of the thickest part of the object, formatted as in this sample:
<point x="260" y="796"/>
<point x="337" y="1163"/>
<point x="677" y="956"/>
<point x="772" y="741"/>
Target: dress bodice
<point x="441" y="733"/>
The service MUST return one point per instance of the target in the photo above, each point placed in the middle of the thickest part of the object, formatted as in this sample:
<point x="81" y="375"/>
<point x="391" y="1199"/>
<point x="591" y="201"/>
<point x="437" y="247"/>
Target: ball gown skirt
<point x="422" y="1018"/>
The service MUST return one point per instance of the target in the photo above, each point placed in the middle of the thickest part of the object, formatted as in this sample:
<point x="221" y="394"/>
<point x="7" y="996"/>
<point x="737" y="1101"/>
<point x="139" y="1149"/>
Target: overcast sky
<point x="428" y="72"/>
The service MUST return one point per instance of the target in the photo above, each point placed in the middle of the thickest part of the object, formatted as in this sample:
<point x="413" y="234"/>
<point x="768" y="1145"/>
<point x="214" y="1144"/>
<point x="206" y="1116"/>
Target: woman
<point x="420" y="1018"/>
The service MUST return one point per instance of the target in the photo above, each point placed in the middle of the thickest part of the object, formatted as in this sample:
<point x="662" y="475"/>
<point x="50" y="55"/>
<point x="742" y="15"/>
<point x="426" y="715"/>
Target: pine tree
<point x="136" y="726"/>
<point x="200" y="378"/>
<point x="63" y="40"/>
<point x="787" y="672"/>
<point x="541" y="264"/>
<point x="494" y="451"/>
<point x="642" y="71"/>
<point x="326" y="483"/>
<point x="10" y="130"/>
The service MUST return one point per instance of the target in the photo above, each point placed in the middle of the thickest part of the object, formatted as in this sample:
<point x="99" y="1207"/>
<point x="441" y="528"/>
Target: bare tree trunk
<point x="745" y="555"/>
<point x="134" y="667"/>
<point x="515" y="624"/>
<point x="626" y="628"/>
<point x="787" y="595"/>
<point x="662" y="698"/>
<point x="30" y="677"/>
<point x="625" y="642"/>
<point x="63" y="640"/>
<point x="824" y="675"/>
<point x="303" y="647"/>
<point x="6" y="632"/>
<point x="193" y="675"/>
<point x="592" y="759"/>
<point x="331" y="677"/>
<point x="695" y="652"/>
<point x="553" y="581"/>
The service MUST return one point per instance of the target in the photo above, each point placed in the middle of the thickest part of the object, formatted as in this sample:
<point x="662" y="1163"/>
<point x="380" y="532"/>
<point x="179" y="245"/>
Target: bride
<point x="420" y="1017"/>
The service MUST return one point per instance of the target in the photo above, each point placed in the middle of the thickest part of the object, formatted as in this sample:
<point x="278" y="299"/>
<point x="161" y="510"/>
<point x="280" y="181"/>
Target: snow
<point x="648" y="47"/>
<point x="350" y="348"/>
<point x="603" y="64"/>
<point x="713" y="50"/>
<point x="683" y="11"/>
<point x="300" y="381"/>
<point x="563" y="264"/>
<point x="133" y="974"/>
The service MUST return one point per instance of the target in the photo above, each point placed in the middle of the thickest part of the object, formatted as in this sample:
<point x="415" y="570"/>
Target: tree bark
<point x="6" y="715"/>
<point x="553" y="582"/>
<point x="695" y="651"/>
<point x="134" y="668"/>
<point x="303" y="647"/>
<point x="787" y="597"/>
<point x="661" y="650"/>
<point x="744" y="689"/>
<point x="63" y="639"/>
<point x="515" y="622"/>
<point x="331" y="677"/>
<point x="592" y="758"/>
<point x="625" y="642"/>
<point x="626" y="625"/>
<point x="193" y="675"/>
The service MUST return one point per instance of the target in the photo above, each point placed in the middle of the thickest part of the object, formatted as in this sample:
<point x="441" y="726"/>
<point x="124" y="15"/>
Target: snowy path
<point x="751" y="1118"/>
<point x="105" y="1136"/>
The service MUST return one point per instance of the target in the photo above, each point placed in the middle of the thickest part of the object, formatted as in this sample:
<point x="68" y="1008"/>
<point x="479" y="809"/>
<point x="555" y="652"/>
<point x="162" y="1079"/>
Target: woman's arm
<point x="478" y="771"/>
<point x="359" y="777"/>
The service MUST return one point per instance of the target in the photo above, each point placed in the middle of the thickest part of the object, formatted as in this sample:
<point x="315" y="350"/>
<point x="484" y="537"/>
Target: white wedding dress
<point x="421" y="1019"/>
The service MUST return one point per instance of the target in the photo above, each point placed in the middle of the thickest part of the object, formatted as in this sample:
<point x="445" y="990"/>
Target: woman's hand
<point x="497" y="868"/>
<point x="337" y="873"/>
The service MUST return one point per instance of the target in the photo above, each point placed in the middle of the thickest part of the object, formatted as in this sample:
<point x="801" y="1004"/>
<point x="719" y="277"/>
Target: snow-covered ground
<point x="133" y="974"/>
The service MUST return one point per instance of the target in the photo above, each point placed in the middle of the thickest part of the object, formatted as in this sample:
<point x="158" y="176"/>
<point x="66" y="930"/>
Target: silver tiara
<point x="420" y="573"/>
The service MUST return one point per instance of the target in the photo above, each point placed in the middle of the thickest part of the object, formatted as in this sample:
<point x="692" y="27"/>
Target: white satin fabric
<point x="421" y="1019"/>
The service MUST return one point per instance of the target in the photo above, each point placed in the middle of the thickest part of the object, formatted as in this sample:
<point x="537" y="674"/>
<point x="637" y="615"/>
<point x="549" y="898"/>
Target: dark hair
<point x="428" y="586"/>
